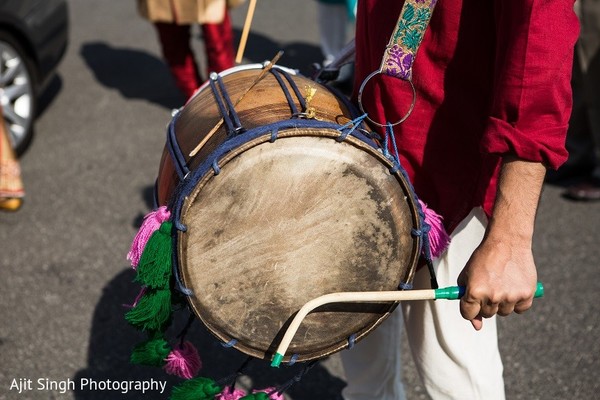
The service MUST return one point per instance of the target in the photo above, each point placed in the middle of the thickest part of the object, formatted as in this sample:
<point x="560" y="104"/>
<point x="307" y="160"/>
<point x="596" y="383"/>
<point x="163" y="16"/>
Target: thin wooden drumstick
<point x="449" y="293"/>
<point x="262" y="74"/>
<point x="245" y="31"/>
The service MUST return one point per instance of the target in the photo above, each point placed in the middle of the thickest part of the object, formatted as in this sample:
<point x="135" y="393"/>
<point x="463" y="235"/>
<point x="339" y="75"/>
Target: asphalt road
<point x="88" y="177"/>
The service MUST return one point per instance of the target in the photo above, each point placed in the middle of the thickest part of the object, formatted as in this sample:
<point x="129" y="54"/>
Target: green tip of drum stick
<point x="277" y="358"/>
<point x="456" y="292"/>
<point x="450" y="292"/>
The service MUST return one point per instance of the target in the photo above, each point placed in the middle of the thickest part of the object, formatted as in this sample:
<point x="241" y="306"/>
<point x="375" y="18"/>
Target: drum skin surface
<point x="286" y="221"/>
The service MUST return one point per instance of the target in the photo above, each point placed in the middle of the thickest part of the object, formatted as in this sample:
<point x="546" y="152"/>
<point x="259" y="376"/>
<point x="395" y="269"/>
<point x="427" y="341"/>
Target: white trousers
<point x="454" y="360"/>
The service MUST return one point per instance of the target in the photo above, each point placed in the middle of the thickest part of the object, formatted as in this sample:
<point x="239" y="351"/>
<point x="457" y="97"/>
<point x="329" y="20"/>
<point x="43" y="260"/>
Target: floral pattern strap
<point x="402" y="48"/>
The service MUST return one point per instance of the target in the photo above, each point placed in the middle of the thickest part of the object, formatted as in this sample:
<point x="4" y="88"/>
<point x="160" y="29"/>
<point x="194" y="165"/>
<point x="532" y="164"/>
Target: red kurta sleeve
<point x="532" y="88"/>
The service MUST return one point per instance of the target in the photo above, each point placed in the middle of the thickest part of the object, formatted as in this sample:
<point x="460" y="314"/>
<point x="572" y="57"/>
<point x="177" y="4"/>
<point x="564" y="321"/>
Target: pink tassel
<point x="438" y="238"/>
<point x="229" y="394"/>
<point x="272" y="396"/>
<point x="152" y="222"/>
<point x="183" y="361"/>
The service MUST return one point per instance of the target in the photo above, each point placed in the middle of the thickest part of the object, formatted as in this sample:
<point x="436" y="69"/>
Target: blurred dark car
<point x="33" y="40"/>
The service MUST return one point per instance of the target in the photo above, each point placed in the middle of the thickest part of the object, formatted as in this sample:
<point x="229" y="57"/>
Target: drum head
<point x="288" y="221"/>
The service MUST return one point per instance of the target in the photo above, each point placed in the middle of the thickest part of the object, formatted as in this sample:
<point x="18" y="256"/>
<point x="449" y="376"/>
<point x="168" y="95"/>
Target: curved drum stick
<point x="448" y="293"/>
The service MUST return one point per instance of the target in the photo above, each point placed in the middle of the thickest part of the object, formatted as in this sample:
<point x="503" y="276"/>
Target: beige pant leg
<point x="373" y="366"/>
<point x="454" y="360"/>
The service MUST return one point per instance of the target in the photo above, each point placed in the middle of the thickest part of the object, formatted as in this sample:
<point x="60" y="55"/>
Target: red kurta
<point x="492" y="78"/>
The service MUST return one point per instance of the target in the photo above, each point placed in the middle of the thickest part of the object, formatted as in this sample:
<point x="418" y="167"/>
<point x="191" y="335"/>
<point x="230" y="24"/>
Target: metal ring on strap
<point x="360" y="105"/>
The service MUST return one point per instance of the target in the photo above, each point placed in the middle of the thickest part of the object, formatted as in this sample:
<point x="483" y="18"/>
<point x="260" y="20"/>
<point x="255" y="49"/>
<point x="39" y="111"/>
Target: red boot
<point x="178" y="54"/>
<point x="218" y="42"/>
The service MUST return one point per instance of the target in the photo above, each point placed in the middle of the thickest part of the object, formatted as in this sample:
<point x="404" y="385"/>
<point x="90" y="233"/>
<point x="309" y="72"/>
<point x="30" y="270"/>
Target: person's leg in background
<point x="178" y="54"/>
<point x="583" y="137"/>
<point x="335" y="19"/>
<point x="218" y="42"/>
<point x="332" y="18"/>
<point x="579" y="139"/>
<point x="11" y="184"/>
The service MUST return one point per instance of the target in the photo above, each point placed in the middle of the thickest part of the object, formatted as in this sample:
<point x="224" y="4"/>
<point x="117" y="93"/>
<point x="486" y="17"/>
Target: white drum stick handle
<point x="450" y="293"/>
<point x="344" y="297"/>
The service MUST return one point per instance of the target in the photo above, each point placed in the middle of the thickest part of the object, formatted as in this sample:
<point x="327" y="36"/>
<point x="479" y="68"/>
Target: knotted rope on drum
<point x="294" y="110"/>
<point x="350" y="127"/>
<point x="426" y="215"/>
<point x="230" y="117"/>
<point x="175" y="151"/>
<point x="352" y="340"/>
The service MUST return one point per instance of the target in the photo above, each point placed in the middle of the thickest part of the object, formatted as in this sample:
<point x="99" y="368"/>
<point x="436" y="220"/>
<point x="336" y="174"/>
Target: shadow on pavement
<point x="136" y="74"/>
<point x="112" y="338"/>
<point x="147" y="195"/>
<point x="49" y="93"/>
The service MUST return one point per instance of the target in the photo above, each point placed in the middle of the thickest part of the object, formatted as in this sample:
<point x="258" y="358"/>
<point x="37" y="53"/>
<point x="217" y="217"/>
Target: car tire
<point x="17" y="91"/>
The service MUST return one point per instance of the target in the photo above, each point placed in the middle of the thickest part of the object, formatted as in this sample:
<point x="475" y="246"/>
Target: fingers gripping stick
<point x="456" y="292"/>
<point x="448" y="293"/>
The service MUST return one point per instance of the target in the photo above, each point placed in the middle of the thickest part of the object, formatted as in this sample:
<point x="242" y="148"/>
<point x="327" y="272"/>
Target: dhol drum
<point x="287" y="197"/>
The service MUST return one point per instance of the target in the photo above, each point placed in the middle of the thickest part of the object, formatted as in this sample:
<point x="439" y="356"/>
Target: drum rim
<point x="302" y="132"/>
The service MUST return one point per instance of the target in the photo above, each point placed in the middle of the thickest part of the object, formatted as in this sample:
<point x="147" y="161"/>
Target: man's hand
<point x="500" y="277"/>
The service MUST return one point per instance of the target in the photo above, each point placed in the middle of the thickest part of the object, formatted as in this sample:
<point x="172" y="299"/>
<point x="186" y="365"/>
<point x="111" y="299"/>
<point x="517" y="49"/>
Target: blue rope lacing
<point x="423" y="233"/>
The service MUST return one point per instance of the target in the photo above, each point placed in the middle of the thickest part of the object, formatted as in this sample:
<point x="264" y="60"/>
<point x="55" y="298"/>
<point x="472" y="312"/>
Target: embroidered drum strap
<point x="401" y="51"/>
<point x="402" y="48"/>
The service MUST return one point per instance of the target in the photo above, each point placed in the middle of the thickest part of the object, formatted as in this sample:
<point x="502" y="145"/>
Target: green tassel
<point x="152" y="352"/>
<point x="155" y="266"/>
<point x="196" y="389"/>
<point x="152" y="312"/>
<point x="256" y="396"/>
